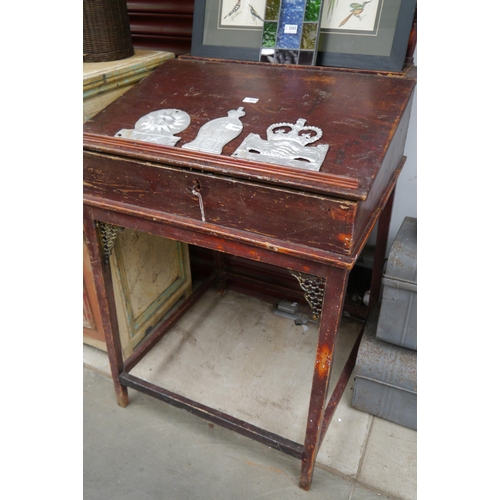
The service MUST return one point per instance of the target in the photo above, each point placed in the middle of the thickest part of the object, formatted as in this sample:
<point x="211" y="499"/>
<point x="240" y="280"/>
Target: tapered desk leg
<point x="333" y="301"/>
<point x="105" y="295"/>
<point x="384" y="223"/>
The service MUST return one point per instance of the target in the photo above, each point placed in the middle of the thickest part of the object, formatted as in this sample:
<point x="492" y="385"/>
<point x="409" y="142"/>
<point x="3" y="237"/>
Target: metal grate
<point x="109" y="233"/>
<point x="314" y="289"/>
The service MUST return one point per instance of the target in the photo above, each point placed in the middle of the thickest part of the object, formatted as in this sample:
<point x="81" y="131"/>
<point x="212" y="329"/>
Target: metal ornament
<point x="109" y="233"/>
<point x="158" y="127"/>
<point x="314" y="290"/>
<point x="286" y="148"/>
<point x="215" y="134"/>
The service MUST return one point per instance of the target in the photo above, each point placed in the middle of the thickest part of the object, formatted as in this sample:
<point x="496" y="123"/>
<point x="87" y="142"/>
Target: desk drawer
<point x="293" y="217"/>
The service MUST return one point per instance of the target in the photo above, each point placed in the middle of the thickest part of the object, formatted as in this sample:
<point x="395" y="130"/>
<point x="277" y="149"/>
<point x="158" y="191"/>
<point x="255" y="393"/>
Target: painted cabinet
<point x="150" y="274"/>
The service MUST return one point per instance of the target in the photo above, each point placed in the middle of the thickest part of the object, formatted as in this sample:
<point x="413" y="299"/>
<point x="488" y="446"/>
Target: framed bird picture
<point x="228" y="29"/>
<point x="367" y="34"/>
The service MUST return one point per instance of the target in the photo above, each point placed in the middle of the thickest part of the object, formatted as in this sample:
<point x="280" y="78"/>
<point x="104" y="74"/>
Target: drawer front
<point x="293" y="217"/>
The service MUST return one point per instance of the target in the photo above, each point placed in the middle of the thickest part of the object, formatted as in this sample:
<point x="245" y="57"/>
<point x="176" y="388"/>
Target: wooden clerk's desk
<point x="313" y="224"/>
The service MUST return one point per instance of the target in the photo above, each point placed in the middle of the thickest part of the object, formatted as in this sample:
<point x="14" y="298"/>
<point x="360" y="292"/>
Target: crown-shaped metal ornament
<point x="286" y="145"/>
<point x="276" y="132"/>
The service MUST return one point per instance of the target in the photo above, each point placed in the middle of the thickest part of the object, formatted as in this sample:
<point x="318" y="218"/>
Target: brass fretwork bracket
<point x="314" y="289"/>
<point x="109" y="233"/>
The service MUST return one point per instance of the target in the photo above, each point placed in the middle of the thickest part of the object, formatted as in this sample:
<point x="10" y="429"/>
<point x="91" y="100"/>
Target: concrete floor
<point x="151" y="450"/>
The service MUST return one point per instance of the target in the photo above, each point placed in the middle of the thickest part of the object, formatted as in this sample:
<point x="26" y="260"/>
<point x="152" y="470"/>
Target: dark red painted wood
<point x="105" y="295"/>
<point x="335" y="286"/>
<point x="412" y="43"/>
<point x="234" y="243"/>
<point x="229" y="422"/>
<point x="292" y="219"/>
<point x="161" y="24"/>
<point x="185" y="7"/>
<point x="339" y="388"/>
<point x="358" y="113"/>
<point x="384" y="224"/>
<point x="323" y="222"/>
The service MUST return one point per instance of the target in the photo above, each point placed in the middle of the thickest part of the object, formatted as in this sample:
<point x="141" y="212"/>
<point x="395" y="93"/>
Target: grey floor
<point x="151" y="450"/>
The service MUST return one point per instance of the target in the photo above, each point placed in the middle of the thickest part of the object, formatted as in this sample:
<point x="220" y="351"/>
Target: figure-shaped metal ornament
<point x="158" y="127"/>
<point x="215" y="134"/>
<point x="286" y="148"/>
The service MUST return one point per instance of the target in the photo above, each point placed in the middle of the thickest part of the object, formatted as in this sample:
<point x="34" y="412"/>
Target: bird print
<point x="254" y="14"/>
<point x="235" y="8"/>
<point x="356" y="11"/>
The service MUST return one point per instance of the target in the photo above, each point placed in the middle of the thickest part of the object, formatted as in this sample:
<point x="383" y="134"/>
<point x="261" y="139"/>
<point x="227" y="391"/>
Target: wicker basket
<point x="106" y="31"/>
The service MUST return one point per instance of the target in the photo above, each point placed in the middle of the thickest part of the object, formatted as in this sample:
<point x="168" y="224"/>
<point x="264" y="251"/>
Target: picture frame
<point x="378" y="41"/>
<point x="219" y="34"/>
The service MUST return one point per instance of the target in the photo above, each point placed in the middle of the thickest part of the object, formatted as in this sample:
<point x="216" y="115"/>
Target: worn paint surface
<point x="358" y="113"/>
<point x="275" y="215"/>
<point x="323" y="361"/>
<point x="288" y="216"/>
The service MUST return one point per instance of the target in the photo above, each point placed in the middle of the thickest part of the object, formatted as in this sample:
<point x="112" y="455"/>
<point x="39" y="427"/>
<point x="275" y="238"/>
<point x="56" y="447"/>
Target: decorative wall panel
<point x="161" y="24"/>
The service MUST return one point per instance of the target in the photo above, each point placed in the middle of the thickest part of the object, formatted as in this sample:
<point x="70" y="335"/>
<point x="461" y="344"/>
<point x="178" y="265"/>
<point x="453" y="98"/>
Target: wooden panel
<point x="94" y="104"/>
<point x="103" y="77"/>
<point x="93" y="331"/>
<point x="297" y="217"/>
<point x="185" y="7"/>
<point x="161" y="24"/>
<point x="164" y="25"/>
<point x="392" y="163"/>
<point x="150" y="274"/>
<point x="358" y="131"/>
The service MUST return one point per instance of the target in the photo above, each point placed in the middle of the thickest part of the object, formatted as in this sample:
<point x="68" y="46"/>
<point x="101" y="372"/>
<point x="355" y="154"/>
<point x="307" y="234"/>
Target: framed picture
<point x="228" y="29"/>
<point x="371" y="34"/>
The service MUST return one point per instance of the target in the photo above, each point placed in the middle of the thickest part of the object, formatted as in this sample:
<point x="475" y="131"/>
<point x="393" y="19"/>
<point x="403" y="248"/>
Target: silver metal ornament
<point x="286" y="145"/>
<point x="158" y="127"/>
<point x="214" y="135"/>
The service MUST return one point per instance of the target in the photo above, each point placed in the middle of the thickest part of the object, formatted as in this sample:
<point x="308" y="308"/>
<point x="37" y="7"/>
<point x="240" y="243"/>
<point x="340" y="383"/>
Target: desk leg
<point x="384" y="223"/>
<point x="333" y="301"/>
<point x="105" y="295"/>
<point x="219" y="269"/>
